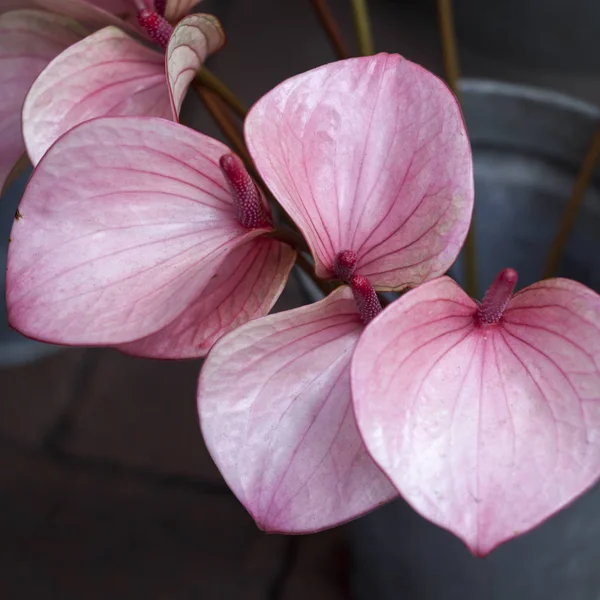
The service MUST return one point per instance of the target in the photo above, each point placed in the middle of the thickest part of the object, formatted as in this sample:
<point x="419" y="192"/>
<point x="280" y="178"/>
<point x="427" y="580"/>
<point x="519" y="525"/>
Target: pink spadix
<point x="486" y="417"/>
<point x="248" y="199"/>
<point x="156" y="26"/>
<point x="496" y="298"/>
<point x="365" y="296"/>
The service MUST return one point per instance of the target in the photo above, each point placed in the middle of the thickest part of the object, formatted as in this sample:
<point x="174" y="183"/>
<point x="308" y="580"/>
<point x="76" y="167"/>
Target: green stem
<point x="572" y="209"/>
<point x="362" y="26"/>
<point x="452" y="71"/>
<point x="213" y="83"/>
<point x="331" y="28"/>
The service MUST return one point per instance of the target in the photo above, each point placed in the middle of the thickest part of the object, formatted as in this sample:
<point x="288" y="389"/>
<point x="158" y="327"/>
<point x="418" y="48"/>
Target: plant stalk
<point x="574" y="204"/>
<point x="362" y="25"/>
<point x="452" y="71"/>
<point x="214" y="84"/>
<point x="323" y="285"/>
<point x="331" y="28"/>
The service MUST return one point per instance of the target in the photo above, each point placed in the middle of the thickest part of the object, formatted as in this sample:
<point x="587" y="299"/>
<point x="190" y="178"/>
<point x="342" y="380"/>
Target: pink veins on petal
<point x="128" y="227"/>
<point x="485" y="417"/>
<point x="370" y="156"/>
<point x="275" y="410"/>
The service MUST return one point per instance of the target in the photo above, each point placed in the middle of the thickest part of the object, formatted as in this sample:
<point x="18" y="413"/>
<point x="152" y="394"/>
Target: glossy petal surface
<point x="29" y="40"/>
<point x="246" y="285"/>
<point x="485" y="430"/>
<point x="194" y="39"/>
<point x="106" y="74"/>
<point x="176" y="9"/>
<point x="124" y="222"/>
<point x="275" y="410"/>
<point x="369" y="155"/>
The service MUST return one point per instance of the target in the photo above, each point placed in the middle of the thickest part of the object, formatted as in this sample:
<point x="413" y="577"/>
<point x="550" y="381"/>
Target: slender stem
<point x="331" y="28"/>
<point x="225" y="123"/>
<point x="290" y="237"/>
<point x="572" y="209"/>
<point x="213" y="83"/>
<point x="324" y="286"/>
<point x="362" y="25"/>
<point x="19" y="166"/>
<point x="452" y="71"/>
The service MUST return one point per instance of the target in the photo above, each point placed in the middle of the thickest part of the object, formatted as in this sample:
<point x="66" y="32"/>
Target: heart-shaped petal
<point x="193" y="40"/>
<point x="486" y="430"/>
<point x="246" y="286"/>
<point x="123" y="224"/>
<point x="106" y="74"/>
<point x="369" y="155"/>
<point x="275" y="410"/>
<point x="29" y="40"/>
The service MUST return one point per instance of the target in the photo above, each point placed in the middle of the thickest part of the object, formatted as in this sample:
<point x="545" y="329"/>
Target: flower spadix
<point x="486" y="417"/>
<point x="370" y="156"/>
<point x="129" y="234"/>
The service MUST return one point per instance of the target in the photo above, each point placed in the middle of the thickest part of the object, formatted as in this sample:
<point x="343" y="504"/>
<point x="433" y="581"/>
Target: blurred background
<point x="106" y="489"/>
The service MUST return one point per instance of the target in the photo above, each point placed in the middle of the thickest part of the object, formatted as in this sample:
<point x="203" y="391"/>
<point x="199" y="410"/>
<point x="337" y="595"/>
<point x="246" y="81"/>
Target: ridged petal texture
<point x="369" y="155"/>
<point x="125" y="223"/>
<point x="276" y="414"/>
<point x="194" y="39"/>
<point x="485" y="430"/>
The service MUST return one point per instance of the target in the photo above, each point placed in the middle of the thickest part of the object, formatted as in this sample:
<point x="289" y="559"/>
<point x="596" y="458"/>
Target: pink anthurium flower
<point x="486" y="417"/>
<point x="111" y="74"/>
<point x="108" y="73"/>
<point x="370" y="158"/>
<point x="139" y="233"/>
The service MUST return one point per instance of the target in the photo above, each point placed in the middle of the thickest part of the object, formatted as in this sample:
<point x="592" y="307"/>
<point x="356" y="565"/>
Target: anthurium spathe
<point x="109" y="73"/>
<point x="370" y="158"/>
<point x="486" y="417"/>
<point x="140" y="233"/>
<point x="276" y="414"/>
<point x="29" y="40"/>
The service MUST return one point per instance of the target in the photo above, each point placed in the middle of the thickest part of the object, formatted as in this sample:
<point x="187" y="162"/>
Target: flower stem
<point x="362" y="25"/>
<point x="213" y="83"/>
<point x="324" y="286"/>
<point x="452" y="71"/>
<point x="224" y="122"/>
<point x="572" y="209"/>
<point x="331" y="28"/>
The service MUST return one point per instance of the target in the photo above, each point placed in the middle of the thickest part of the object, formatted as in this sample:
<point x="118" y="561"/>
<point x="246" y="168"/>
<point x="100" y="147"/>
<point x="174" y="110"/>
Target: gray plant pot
<point x="14" y="348"/>
<point x="554" y="35"/>
<point x="527" y="147"/>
